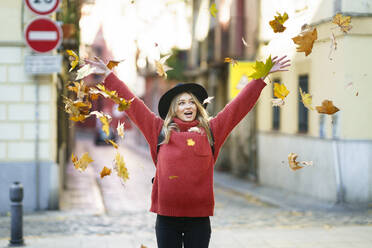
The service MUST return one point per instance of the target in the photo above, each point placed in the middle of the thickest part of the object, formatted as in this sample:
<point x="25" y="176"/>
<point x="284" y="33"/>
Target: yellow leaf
<point x="306" y="99"/>
<point x="112" y="143"/>
<point x="82" y="163"/>
<point x="120" y="167"/>
<point x="74" y="59"/>
<point x="105" y="120"/>
<point x="190" y="142"/>
<point x="280" y="91"/>
<point x="105" y="172"/>
<point x="161" y="67"/>
<point x="293" y="164"/>
<point x="120" y="129"/>
<point x="277" y="23"/>
<point x="262" y="69"/>
<point x="123" y="104"/>
<point x="77" y="110"/>
<point x="343" y="22"/>
<point x="84" y="71"/>
<point x="173" y="177"/>
<point x="213" y="10"/>
<point x="113" y="63"/>
<point x="305" y="40"/>
<point x="327" y="108"/>
<point x="230" y="60"/>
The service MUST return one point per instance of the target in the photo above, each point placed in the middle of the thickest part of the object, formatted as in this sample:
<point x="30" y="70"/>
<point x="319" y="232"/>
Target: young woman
<point x="182" y="192"/>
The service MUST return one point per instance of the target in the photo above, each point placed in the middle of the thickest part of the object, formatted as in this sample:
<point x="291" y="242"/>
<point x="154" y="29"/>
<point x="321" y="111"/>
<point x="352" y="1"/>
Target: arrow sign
<point x="43" y="35"/>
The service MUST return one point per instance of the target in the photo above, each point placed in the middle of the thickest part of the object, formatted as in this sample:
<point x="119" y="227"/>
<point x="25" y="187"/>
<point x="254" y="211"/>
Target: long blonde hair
<point x="201" y="115"/>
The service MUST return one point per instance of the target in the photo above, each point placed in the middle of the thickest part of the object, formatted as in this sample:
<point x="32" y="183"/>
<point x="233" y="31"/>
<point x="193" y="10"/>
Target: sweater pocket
<point x="202" y="146"/>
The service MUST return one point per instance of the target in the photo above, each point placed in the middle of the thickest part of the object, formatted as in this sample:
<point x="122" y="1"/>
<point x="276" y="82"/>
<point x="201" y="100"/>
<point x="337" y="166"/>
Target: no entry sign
<point x="42" y="7"/>
<point x="43" y="35"/>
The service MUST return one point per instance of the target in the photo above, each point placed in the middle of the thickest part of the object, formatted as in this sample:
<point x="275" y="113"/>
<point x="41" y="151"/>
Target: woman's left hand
<point x="279" y="65"/>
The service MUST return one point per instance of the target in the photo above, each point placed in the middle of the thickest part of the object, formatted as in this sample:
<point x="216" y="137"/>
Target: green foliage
<point x="178" y="62"/>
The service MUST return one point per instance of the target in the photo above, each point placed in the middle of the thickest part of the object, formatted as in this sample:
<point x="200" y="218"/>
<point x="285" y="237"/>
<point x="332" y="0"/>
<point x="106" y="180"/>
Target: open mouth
<point x="188" y="114"/>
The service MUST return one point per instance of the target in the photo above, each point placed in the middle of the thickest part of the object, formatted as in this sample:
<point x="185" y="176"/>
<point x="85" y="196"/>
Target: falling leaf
<point x="262" y="69"/>
<point x="121" y="169"/>
<point x="82" y="163"/>
<point x="244" y="42"/>
<point x="161" y="67"/>
<point x="277" y="102"/>
<point x="333" y="45"/>
<point x="74" y="59"/>
<point x="190" y="142"/>
<point x="79" y="88"/>
<point x="77" y="110"/>
<point x="173" y="177"/>
<point x="230" y="60"/>
<point x="142" y="246"/>
<point x="84" y="71"/>
<point x="280" y="91"/>
<point x="105" y="120"/>
<point x="95" y="91"/>
<point x="327" y="108"/>
<point x="112" y="143"/>
<point x="120" y="129"/>
<point x="305" y="40"/>
<point x="294" y="165"/>
<point x="300" y="10"/>
<point x="123" y="104"/>
<point x="277" y="23"/>
<point x="306" y="99"/>
<point x="105" y="172"/>
<point x="208" y="100"/>
<point x="343" y="22"/>
<point x="113" y="63"/>
<point x="213" y="10"/>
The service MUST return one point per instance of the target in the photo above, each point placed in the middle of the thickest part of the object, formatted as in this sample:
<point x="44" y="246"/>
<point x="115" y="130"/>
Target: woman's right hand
<point x="99" y="66"/>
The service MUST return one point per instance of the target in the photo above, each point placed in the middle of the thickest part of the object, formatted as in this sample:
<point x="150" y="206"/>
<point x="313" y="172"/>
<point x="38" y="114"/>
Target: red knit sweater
<point x="183" y="184"/>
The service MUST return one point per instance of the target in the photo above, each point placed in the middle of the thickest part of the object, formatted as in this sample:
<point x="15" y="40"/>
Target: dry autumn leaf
<point x="213" y="10"/>
<point x="105" y="120"/>
<point x="208" y="100"/>
<point x="82" y="163"/>
<point x="280" y="91"/>
<point x="120" y="129"/>
<point x="230" y="60"/>
<point x="123" y="104"/>
<point x="190" y="142"/>
<point x="79" y="88"/>
<point x="294" y="165"/>
<point x="327" y="108"/>
<point x="277" y="102"/>
<point x="305" y="40"/>
<point x="77" y="110"/>
<point x="113" y="63"/>
<point x="161" y="67"/>
<point x="105" y="172"/>
<point x="262" y="69"/>
<point x="306" y="99"/>
<point x="108" y="141"/>
<point x="343" y="22"/>
<point x="74" y="59"/>
<point x="277" y="23"/>
<point x="121" y="169"/>
<point x="84" y="71"/>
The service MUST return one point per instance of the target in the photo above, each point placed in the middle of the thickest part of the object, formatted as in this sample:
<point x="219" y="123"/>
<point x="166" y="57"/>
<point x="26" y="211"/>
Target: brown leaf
<point x="327" y="108"/>
<point x="305" y="40"/>
<point x="113" y="63"/>
<point x="105" y="172"/>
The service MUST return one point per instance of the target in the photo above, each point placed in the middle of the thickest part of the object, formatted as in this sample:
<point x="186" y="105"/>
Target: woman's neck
<point x="185" y="125"/>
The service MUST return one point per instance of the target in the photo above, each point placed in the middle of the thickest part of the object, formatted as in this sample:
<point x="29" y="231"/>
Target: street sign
<point x="43" y="64"/>
<point x="43" y="35"/>
<point x="42" y="7"/>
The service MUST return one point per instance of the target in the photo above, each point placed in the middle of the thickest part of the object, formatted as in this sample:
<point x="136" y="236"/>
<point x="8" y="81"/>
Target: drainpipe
<point x="340" y="197"/>
<point x="37" y="139"/>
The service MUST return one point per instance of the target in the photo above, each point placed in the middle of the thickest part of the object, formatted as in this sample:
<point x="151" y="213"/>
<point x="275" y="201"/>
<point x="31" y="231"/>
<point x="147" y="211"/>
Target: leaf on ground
<point x="120" y="129"/>
<point x="173" y="177"/>
<point x="305" y="40"/>
<point x="208" y="100"/>
<point x="84" y="71"/>
<point x="280" y="91"/>
<point x="105" y="172"/>
<point x="113" y="63"/>
<point x="213" y="10"/>
<point x="262" y="69"/>
<point x="74" y="59"/>
<point x="306" y="99"/>
<point x="121" y="169"/>
<point x="161" y="67"/>
<point x="230" y="60"/>
<point x="277" y="23"/>
<point x="294" y="165"/>
<point x="327" y="107"/>
<point x="343" y="22"/>
<point x="108" y="141"/>
<point x="82" y="163"/>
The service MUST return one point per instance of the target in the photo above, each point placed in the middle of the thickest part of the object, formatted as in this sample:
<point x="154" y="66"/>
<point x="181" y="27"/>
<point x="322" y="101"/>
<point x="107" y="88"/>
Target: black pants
<point x="172" y="232"/>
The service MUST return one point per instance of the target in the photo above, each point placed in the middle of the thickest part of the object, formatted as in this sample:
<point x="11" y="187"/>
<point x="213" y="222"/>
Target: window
<point x="276" y="110"/>
<point x="303" y="83"/>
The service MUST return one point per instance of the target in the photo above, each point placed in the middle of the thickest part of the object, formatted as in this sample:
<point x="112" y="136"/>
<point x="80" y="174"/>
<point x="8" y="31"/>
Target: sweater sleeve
<point x="146" y="120"/>
<point x="234" y="112"/>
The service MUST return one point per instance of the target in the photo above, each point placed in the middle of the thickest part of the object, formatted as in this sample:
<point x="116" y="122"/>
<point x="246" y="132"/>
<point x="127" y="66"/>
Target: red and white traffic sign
<point x="43" y="35"/>
<point x="42" y="7"/>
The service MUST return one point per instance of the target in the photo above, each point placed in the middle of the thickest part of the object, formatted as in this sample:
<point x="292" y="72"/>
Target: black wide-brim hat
<point x="165" y="101"/>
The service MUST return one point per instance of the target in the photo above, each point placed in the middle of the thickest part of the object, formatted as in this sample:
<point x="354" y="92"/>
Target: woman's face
<point x="185" y="107"/>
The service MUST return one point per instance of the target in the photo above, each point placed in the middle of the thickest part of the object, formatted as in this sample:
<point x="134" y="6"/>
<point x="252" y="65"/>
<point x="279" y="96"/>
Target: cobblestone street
<point x="99" y="212"/>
